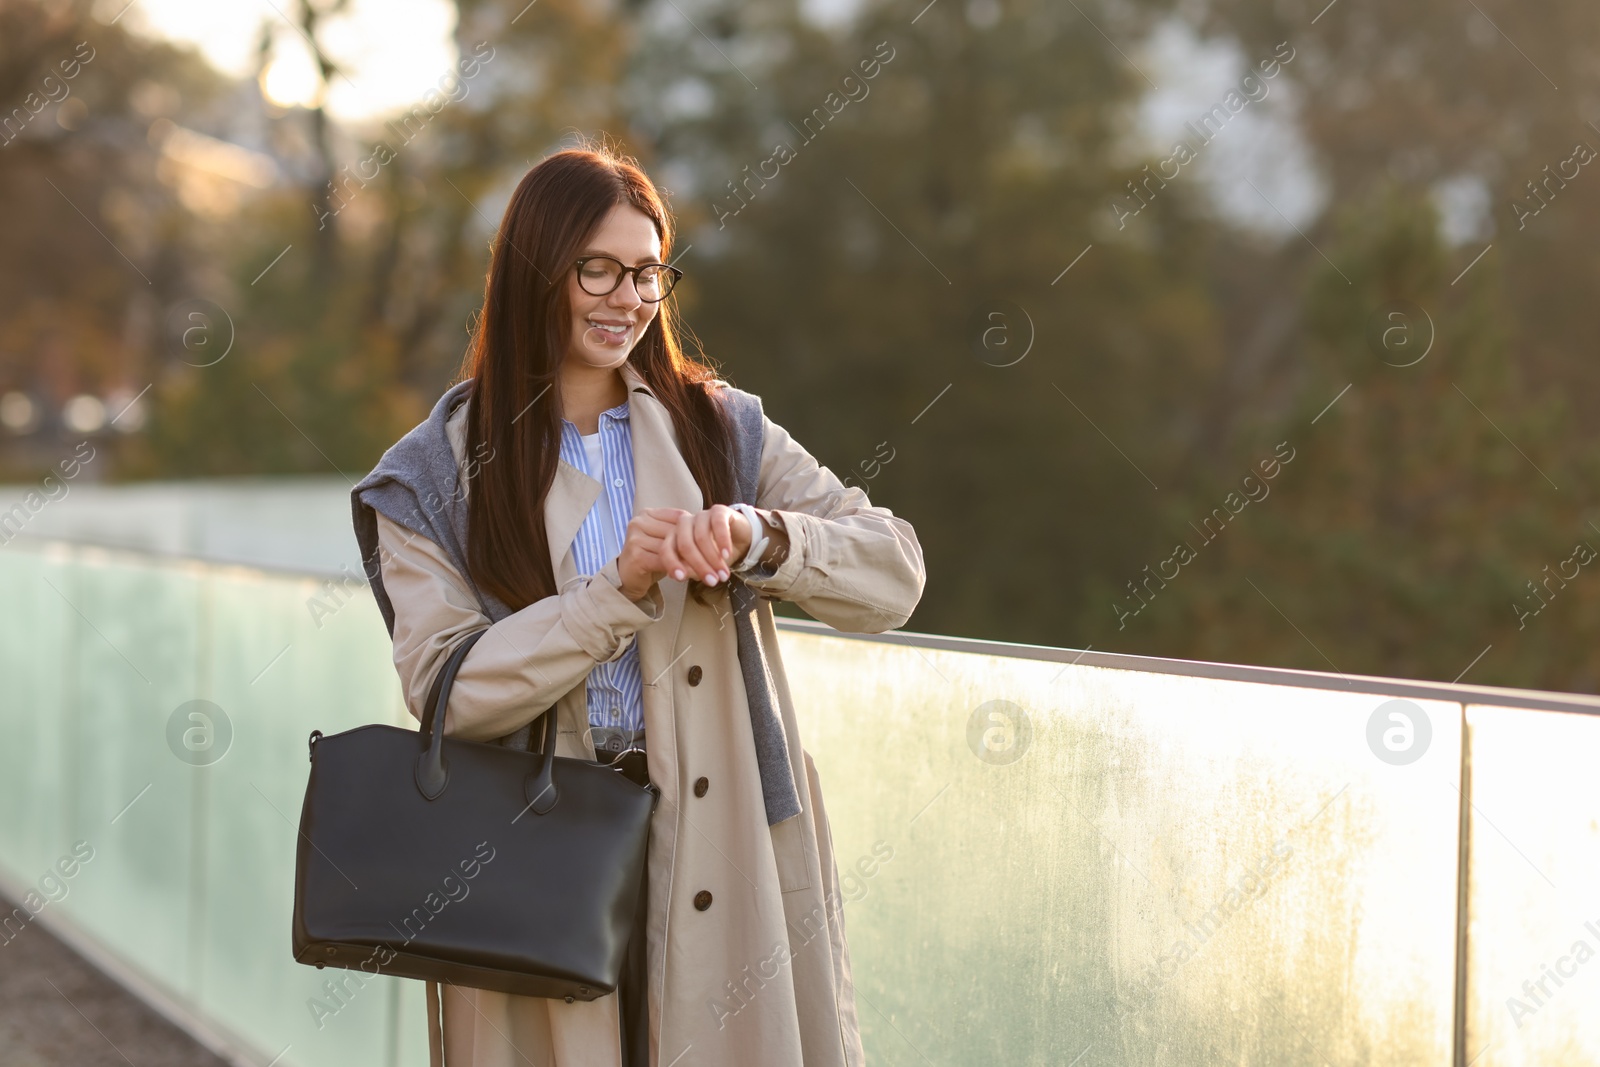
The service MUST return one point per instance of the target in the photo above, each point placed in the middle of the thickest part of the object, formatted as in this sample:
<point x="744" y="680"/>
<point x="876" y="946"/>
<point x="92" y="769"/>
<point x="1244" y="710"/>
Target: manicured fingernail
<point x="724" y="574"/>
<point x="724" y="553"/>
<point x="711" y="579"/>
<point x="678" y="574"/>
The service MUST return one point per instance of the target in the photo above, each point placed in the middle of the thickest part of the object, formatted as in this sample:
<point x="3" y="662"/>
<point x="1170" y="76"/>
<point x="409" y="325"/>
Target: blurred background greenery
<point x="250" y="239"/>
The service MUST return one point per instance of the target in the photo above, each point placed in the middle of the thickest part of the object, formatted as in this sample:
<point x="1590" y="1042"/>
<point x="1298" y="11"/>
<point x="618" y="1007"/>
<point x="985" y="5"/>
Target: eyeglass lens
<point x="601" y="275"/>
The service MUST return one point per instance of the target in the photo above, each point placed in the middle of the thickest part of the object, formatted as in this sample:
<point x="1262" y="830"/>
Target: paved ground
<point x="58" y="1011"/>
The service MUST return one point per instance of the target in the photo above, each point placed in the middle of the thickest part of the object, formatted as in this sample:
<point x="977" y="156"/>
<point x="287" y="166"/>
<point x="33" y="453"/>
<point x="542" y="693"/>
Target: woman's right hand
<point x="663" y="539"/>
<point x="639" y="563"/>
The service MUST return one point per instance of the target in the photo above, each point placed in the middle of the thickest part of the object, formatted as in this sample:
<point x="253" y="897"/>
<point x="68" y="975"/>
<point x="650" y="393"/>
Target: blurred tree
<point x="881" y="277"/>
<point x="95" y="243"/>
<point x="325" y="197"/>
<point x="897" y="227"/>
<point x="552" y="70"/>
<point x="1472" y="102"/>
<point x="314" y="384"/>
<point x="1402" y="537"/>
<point x="343" y="361"/>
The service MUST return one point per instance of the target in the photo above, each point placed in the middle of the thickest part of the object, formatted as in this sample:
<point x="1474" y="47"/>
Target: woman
<point x="571" y="495"/>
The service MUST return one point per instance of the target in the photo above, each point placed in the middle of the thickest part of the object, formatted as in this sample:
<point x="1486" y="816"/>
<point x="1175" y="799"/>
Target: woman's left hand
<point x="702" y="543"/>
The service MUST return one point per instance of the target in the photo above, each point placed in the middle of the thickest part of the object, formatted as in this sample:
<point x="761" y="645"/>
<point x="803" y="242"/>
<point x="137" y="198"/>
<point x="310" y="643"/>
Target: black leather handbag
<point x="422" y="856"/>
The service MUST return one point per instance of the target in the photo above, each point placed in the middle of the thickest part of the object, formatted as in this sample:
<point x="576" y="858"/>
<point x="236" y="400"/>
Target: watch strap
<point x="758" y="539"/>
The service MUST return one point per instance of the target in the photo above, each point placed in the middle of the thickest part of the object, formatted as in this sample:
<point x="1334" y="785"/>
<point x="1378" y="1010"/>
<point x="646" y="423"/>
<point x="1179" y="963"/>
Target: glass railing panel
<point x="129" y="656"/>
<point x="1042" y="861"/>
<point x="1533" y="981"/>
<point x="158" y="713"/>
<point x="38" y="695"/>
<point x="276" y="675"/>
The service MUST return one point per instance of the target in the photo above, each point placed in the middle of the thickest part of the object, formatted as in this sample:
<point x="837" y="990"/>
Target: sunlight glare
<point x="391" y="52"/>
<point x="290" y="80"/>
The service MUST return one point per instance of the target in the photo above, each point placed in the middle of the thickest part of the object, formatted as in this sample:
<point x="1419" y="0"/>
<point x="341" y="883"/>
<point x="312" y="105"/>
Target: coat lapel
<point x="571" y="496"/>
<point x="661" y="480"/>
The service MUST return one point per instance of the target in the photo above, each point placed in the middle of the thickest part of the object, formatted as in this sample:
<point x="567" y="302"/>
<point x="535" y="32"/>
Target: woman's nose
<point x="625" y="295"/>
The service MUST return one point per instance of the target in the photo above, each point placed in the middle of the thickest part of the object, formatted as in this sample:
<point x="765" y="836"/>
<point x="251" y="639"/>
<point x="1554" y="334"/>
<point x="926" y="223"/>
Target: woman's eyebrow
<point x="619" y="259"/>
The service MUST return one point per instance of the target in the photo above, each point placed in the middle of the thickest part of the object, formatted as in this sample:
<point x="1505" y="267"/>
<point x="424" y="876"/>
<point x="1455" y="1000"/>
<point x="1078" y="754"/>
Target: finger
<point x="652" y="546"/>
<point x="646" y="538"/>
<point x="705" y="530"/>
<point x="688" y="547"/>
<point x="671" y="562"/>
<point x="654" y="522"/>
<point x="722" y="531"/>
<point x="644" y="551"/>
<point x="706" y="541"/>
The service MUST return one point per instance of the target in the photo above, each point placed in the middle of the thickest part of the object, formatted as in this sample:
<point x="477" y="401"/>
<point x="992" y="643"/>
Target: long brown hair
<point x="518" y="343"/>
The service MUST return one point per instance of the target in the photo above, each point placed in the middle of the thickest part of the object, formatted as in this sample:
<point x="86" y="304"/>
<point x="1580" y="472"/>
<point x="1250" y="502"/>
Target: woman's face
<point x="626" y="235"/>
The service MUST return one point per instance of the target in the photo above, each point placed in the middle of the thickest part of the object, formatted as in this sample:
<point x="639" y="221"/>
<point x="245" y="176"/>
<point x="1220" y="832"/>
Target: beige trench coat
<point x="763" y="975"/>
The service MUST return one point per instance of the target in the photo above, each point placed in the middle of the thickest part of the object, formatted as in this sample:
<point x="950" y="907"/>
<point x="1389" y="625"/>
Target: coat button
<point x="695" y="674"/>
<point x="702" y="900"/>
<point x="700" y="786"/>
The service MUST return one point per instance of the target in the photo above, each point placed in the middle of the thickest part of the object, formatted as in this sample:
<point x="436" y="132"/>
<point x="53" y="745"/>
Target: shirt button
<point x="700" y="787"/>
<point x="617" y="482"/>
<point x="702" y="900"/>
<point x="695" y="674"/>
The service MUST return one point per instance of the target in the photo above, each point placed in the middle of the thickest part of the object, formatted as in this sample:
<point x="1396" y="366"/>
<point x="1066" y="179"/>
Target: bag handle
<point x="433" y="771"/>
<point x="540" y="788"/>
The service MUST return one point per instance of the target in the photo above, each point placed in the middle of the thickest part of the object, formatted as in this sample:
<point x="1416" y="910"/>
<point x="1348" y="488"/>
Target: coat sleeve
<point x="526" y="662"/>
<point x="852" y="565"/>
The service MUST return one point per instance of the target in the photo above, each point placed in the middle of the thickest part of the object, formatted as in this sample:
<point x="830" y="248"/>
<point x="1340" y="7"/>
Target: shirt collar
<point x="616" y="414"/>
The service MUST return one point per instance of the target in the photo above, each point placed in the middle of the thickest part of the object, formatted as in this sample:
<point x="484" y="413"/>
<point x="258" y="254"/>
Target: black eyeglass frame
<point x="623" y="271"/>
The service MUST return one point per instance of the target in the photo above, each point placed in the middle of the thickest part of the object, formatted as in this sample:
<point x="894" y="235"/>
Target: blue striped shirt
<point x="615" y="690"/>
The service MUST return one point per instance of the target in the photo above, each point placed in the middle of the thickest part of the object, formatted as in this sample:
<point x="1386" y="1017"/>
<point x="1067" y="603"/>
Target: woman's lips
<point x="609" y="339"/>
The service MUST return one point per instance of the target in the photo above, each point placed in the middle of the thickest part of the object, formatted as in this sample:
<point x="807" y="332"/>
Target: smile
<point x="612" y="335"/>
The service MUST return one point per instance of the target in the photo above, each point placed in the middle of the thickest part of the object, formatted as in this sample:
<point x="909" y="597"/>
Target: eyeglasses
<point x="600" y="276"/>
